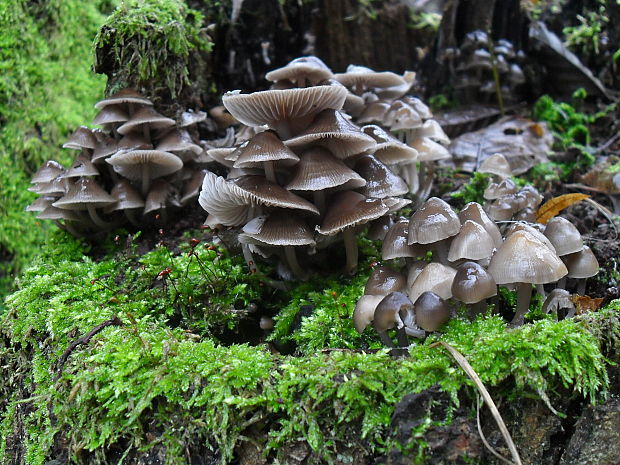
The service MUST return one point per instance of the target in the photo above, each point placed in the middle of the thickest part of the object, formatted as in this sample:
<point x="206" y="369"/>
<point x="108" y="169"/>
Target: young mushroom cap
<point x="559" y="299"/>
<point x="308" y="69"/>
<point x="125" y="196"/>
<point x="145" y="116"/>
<point x="381" y="182"/>
<point x="432" y="129"/>
<point x="41" y="203"/>
<point x="280" y="229"/>
<point x="472" y="283"/>
<point x="360" y="78"/>
<point x="83" y="193"/>
<point x="111" y="114"/>
<point x="264" y="147"/>
<point x="161" y="195"/>
<point x="82" y="166"/>
<point x="82" y="138"/>
<point x="582" y="264"/>
<point x="564" y="236"/>
<point x="431" y="312"/>
<point x="497" y="190"/>
<point x="178" y="141"/>
<point x="348" y="209"/>
<point x="389" y="149"/>
<point x="365" y="311"/>
<point x="395" y="243"/>
<point x="127" y="95"/>
<point x="434" y="277"/>
<point x="48" y="172"/>
<point x="496" y="164"/>
<point x="429" y="150"/>
<point x="433" y="222"/>
<point x="473" y="211"/>
<point x="155" y="163"/>
<point x="384" y="280"/>
<point x="472" y="242"/>
<point x="387" y="312"/>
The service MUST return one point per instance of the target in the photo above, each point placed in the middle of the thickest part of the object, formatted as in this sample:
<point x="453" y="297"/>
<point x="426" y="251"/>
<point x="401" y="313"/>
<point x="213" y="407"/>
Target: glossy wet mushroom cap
<point x="433" y="222"/>
<point x="395" y="243"/>
<point x="384" y="280"/>
<point x="434" y="277"/>
<point x="431" y="312"/>
<point x="496" y="164"/>
<point x="365" y="311"/>
<point x="127" y="95"/>
<point x="564" y="236"/>
<point x="381" y="182"/>
<point x="472" y="283"/>
<point x="318" y="169"/>
<point x="472" y="242"/>
<point x="302" y="71"/>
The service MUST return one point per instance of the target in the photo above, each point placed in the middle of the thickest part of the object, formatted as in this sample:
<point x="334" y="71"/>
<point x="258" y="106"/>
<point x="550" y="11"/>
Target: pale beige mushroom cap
<point x="434" y="277"/>
<point x="146" y="115"/>
<point x="496" y="164"/>
<point x="124" y="96"/>
<point x="472" y="242"/>
<point x="318" y="169"/>
<point x="433" y="222"/>
<point x="365" y="311"/>
<point x="308" y="68"/>
<point x="280" y="229"/>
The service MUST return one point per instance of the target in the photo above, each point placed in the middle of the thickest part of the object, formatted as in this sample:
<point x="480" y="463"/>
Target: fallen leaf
<point x="584" y="303"/>
<point x="555" y="205"/>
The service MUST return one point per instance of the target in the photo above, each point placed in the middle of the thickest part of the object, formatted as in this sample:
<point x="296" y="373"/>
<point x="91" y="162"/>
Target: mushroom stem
<point x="540" y="289"/>
<point x="130" y="214"/>
<point x="293" y="264"/>
<point x="427" y="169"/>
<point x="270" y="172"/>
<point x="415" y="332"/>
<point x="561" y="283"/>
<point x="401" y="337"/>
<point x="478" y="308"/>
<point x="92" y="212"/>
<point x="581" y="286"/>
<point x="146" y="179"/>
<point x="66" y="226"/>
<point x="350" y="245"/>
<point x="524" y="296"/>
<point x="319" y="200"/>
<point x="248" y="258"/>
<point x="386" y="339"/>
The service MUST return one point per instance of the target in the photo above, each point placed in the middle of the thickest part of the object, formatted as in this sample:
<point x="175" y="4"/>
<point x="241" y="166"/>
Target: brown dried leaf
<point x="555" y="205"/>
<point x="584" y="303"/>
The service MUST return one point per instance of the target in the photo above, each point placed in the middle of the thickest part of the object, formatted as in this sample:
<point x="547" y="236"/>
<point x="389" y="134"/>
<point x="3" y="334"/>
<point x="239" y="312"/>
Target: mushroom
<point x="303" y="71"/>
<point x="127" y="199"/>
<point x="365" y="310"/>
<point x="581" y="266"/>
<point x="86" y="194"/>
<point x="381" y="182"/>
<point x="434" y="277"/>
<point x="387" y="316"/>
<point x="559" y="299"/>
<point x="431" y="311"/>
<point x="384" y="280"/>
<point x="472" y="285"/>
<point x="472" y="242"/>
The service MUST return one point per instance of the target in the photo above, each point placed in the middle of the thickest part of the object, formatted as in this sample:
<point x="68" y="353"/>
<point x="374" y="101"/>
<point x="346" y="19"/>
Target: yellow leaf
<point x="555" y="205"/>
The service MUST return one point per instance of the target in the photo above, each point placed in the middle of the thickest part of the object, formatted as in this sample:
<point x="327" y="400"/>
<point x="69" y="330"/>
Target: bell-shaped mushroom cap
<point x="123" y="96"/>
<point x="433" y="130"/>
<point x="564" y="236"/>
<point x="281" y="229"/>
<point x="496" y="164"/>
<point x="267" y="193"/>
<point x="397" y="91"/>
<point x="378" y="228"/>
<point x="418" y="105"/>
<point x="360" y="78"/>
<point x="146" y="115"/>
<point x="160" y="196"/>
<point x="395" y="203"/>
<point x="349" y="208"/>
<point x="318" y="169"/>
<point x="472" y="242"/>
<point x="414" y="270"/>
<point x="125" y="197"/>
<point x="131" y="165"/>
<point x="104" y="149"/>
<point x="134" y="142"/>
<point x="82" y="166"/>
<point x="582" y="264"/>
<point x="83" y="193"/>
<point x="429" y="150"/>
<point x="48" y="172"/>
<point x="431" y="312"/>
<point x="365" y="311"/>
<point x="41" y="203"/>
<point x="55" y="213"/>
<point x="473" y="211"/>
<point x="263" y="147"/>
<point x="401" y="117"/>
<point x="395" y="243"/>
<point x="497" y="190"/>
<point x="524" y="259"/>
<point x="374" y="112"/>
<point x="389" y="149"/>
<point x="472" y="283"/>
<point x="434" y="277"/>
<point x="57" y="186"/>
<point x="501" y="209"/>
<point x="533" y="198"/>
<point x="111" y="114"/>
<point x="381" y="182"/>
<point x="191" y="117"/>
<point x="222" y="155"/>
<point x="333" y="131"/>
<point x="178" y="141"/>
<point x="82" y="138"/>
<point x="192" y="186"/>
<point x="270" y="106"/>
<point x="301" y="70"/>
<point x="384" y="280"/>
<point x="387" y="313"/>
<point x="433" y="222"/>
<point x="522" y="226"/>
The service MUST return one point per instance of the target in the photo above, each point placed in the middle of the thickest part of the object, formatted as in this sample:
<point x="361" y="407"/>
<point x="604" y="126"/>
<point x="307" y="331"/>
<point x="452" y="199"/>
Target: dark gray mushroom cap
<point x="384" y="280"/>
<point x="381" y="182"/>
<point x="82" y="138"/>
<point x="280" y="229"/>
<point x="347" y="209"/>
<point x="318" y="169"/>
<point x="433" y="222"/>
<point x="48" y="172"/>
<point x="125" y="197"/>
<point x="82" y="166"/>
<point x="41" y="203"/>
<point x="387" y="313"/>
<point x="159" y="163"/>
<point x="123" y="96"/>
<point x="269" y="106"/>
<point x="83" y="193"/>
<point x="111" y="114"/>
<point x="431" y="312"/>
<point x="472" y="283"/>
<point x="146" y="115"/>
<point x="192" y="186"/>
<point x="263" y="147"/>
<point x="55" y="213"/>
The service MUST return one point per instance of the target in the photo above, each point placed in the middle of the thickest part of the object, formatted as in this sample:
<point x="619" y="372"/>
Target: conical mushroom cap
<point x="55" y="213"/>
<point x="130" y="164"/>
<point x="497" y="190"/>
<point x="318" y="169"/>
<point x="310" y="69"/>
<point x="389" y="149"/>
<point x="472" y="283"/>
<point x="473" y="211"/>
<point x="83" y="193"/>
<point x="395" y="243"/>
<point x="472" y="242"/>
<point x="582" y="264"/>
<point x="387" y="313"/>
<point x="431" y="312"/>
<point x="384" y="280"/>
<point x="104" y="149"/>
<point x="381" y="182"/>
<point x="125" y="197"/>
<point x="564" y="236"/>
<point x="429" y="150"/>
<point x="57" y="186"/>
<point x="270" y="106"/>
<point x="123" y="96"/>
<point x="160" y="196"/>
<point x="360" y="78"/>
<point x="333" y="131"/>
<point x="522" y="226"/>
<point x="82" y="138"/>
<point x="402" y="117"/>
<point x="48" y="172"/>
<point x="267" y="193"/>
<point x="82" y="166"/>
<point x="348" y="209"/>
<point x="178" y="141"/>
<point x="365" y="310"/>
<point x="436" y="278"/>
<point x="111" y="114"/>
<point x="281" y="229"/>
<point x="524" y="259"/>
<point x="433" y="222"/>
<point x="264" y="146"/>
<point x="432" y="130"/>
<point x="41" y="203"/>
<point x="134" y="142"/>
<point x="496" y="164"/>
<point x="146" y="115"/>
<point x="225" y="202"/>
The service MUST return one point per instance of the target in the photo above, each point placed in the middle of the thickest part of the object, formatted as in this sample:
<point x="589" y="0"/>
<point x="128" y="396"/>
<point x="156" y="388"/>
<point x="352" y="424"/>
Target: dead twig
<point x="467" y="368"/>
<point x="115" y="321"/>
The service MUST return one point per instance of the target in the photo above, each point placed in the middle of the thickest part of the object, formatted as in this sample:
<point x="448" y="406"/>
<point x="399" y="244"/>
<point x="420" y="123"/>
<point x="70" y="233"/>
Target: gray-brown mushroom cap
<point x="178" y="141"/>
<point x="472" y="242"/>
<point x="301" y="70"/>
<point x="125" y="197"/>
<point x="263" y="147"/>
<point x="387" y="312"/>
<point x="123" y="96"/>
<point x="365" y="311"/>
<point x="157" y="163"/>
<point x="434" y="277"/>
<point x="82" y="138"/>
<point x="318" y="169"/>
<point x="564" y="236"/>
<point x="270" y="106"/>
<point x="110" y="114"/>
<point x="381" y="182"/>
<point x="41" y="203"/>
<point x="82" y="166"/>
<point x="431" y="312"/>
<point x="48" y="172"/>
<point x="496" y="164"/>
<point x="384" y="280"/>
<point x="270" y="194"/>
<point x="582" y="264"/>
<point x="361" y="78"/>
<point x="349" y="209"/>
<point x="395" y="243"/>
<point x="146" y="115"/>
<point x="472" y="283"/>
<point x="83" y="193"/>
<point x="280" y="229"/>
<point x="389" y="149"/>
<point x="433" y="222"/>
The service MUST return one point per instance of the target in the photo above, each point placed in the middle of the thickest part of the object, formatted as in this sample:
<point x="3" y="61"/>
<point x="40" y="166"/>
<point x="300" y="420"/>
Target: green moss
<point x="151" y="374"/>
<point x="472" y="190"/>
<point x="150" y="43"/>
<point x="47" y="89"/>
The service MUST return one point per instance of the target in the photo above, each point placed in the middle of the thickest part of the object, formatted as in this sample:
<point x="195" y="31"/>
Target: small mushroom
<point x="431" y="311"/>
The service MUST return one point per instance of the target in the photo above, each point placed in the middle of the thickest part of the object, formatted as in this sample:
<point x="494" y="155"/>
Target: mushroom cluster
<point x="470" y="258"/>
<point x="475" y="64"/>
<point x="301" y="172"/>
<point x="134" y="169"/>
